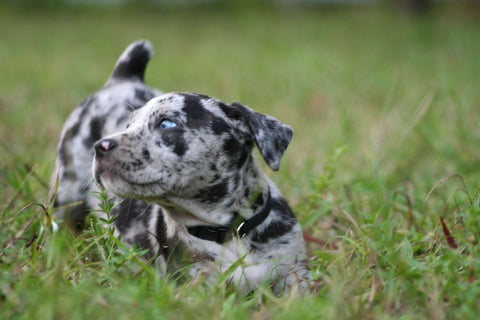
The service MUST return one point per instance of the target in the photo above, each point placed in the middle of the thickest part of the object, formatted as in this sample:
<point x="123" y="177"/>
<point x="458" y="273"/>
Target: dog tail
<point x="133" y="61"/>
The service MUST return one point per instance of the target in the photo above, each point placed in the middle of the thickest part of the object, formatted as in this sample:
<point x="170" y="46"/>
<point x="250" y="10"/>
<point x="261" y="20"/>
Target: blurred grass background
<point x="384" y="104"/>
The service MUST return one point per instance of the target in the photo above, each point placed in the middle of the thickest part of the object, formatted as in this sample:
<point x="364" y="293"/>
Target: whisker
<point x="88" y="179"/>
<point x="130" y="106"/>
<point x="86" y="182"/>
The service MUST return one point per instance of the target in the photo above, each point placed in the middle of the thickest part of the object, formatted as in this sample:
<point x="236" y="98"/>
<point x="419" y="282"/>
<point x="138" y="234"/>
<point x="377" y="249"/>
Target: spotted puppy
<point x="192" y="155"/>
<point x="105" y="112"/>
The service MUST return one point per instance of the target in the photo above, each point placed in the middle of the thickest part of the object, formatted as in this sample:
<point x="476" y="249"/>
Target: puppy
<point x="191" y="156"/>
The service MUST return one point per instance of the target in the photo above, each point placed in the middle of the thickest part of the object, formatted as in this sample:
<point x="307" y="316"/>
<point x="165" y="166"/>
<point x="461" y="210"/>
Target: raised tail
<point x="133" y="61"/>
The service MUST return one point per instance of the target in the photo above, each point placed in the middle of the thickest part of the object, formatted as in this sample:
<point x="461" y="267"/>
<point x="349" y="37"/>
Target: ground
<point x="383" y="171"/>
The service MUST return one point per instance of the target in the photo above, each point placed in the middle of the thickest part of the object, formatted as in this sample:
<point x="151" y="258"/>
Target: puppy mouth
<point x="111" y="179"/>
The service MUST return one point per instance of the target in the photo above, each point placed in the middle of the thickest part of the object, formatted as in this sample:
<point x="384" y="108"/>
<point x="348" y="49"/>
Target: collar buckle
<point x="219" y="234"/>
<point x="239" y="228"/>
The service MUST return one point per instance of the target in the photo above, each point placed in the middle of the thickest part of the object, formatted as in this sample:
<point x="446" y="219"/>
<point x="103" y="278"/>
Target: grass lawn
<point x="386" y="112"/>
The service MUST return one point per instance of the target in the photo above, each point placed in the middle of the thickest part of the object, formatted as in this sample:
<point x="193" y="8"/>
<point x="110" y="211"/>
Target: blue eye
<point x="167" y="124"/>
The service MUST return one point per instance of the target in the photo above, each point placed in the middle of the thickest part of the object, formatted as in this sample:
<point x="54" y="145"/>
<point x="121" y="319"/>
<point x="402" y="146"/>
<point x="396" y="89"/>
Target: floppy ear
<point x="270" y="135"/>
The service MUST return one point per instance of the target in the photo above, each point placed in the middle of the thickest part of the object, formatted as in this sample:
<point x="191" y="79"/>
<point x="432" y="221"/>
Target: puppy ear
<point x="270" y="135"/>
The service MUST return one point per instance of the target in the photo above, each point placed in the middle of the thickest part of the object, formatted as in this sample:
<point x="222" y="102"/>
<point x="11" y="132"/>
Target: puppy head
<point x="186" y="145"/>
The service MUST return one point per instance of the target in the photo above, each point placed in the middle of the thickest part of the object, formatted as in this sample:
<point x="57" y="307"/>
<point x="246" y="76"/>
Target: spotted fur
<point x="192" y="155"/>
<point x="102" y="113"/>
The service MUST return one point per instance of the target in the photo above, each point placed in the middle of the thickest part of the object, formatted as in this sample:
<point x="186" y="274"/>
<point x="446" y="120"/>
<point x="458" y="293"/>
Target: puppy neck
<point x="246" y="194"/>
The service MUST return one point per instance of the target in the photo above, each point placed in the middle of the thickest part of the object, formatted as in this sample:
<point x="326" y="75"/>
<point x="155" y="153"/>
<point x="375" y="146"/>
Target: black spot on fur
<point x="237" y="153"/>
<point x="218" y="125"/>
<point x="66" y="160"/>
<point x="128" y="211"/>
<point x="161" y="233"/>
<point x="213" y="193"/>
<point x="64" y="152"/>
<point x="85" y="105"/>
<point x="136" y="164"/>
<point x="274" y="230"/>
<point x="232" y="147"/>
<point x="143" y="95"/>
<point x="73" y="131"/>
<point x="245" y="154"/>
<point x="96" y="128"/>
<point x="215" y="178"/>
<point x="279" y="227"/>
<point x="180" y="148"/>
<point x="197" y="115"/>
<point x="236" y="182"/>
<point x="246" y="192"/>
<point x="141" y="241"/>
<point x="146" y="154"/>
<point x="283" y="209"/>
<point x="213" y="167"/>
<point x="231" y="111"/>
<point x="95" y="134"/>
<point x="174" y="138"/>
<point x="69" y="175"/>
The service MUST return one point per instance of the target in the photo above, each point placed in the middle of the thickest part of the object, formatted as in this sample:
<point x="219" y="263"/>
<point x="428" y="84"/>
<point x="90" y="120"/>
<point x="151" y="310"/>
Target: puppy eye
<point x="167" y="124"/>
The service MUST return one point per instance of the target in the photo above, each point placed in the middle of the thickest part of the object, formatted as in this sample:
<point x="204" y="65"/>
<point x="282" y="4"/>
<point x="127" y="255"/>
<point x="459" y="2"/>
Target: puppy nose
<point x="104" y="146"/>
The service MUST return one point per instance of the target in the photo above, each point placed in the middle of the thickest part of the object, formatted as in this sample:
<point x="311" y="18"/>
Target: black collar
<point x="239" y="226"/>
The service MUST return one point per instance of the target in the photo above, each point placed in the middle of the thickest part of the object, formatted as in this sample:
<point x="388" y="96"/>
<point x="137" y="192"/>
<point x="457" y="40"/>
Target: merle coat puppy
<point x="191" y="155"/>
<point x="105" y="112"/>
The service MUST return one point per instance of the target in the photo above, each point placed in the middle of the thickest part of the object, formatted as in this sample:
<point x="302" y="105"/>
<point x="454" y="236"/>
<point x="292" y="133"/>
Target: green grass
<point x="384" y="106"/>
